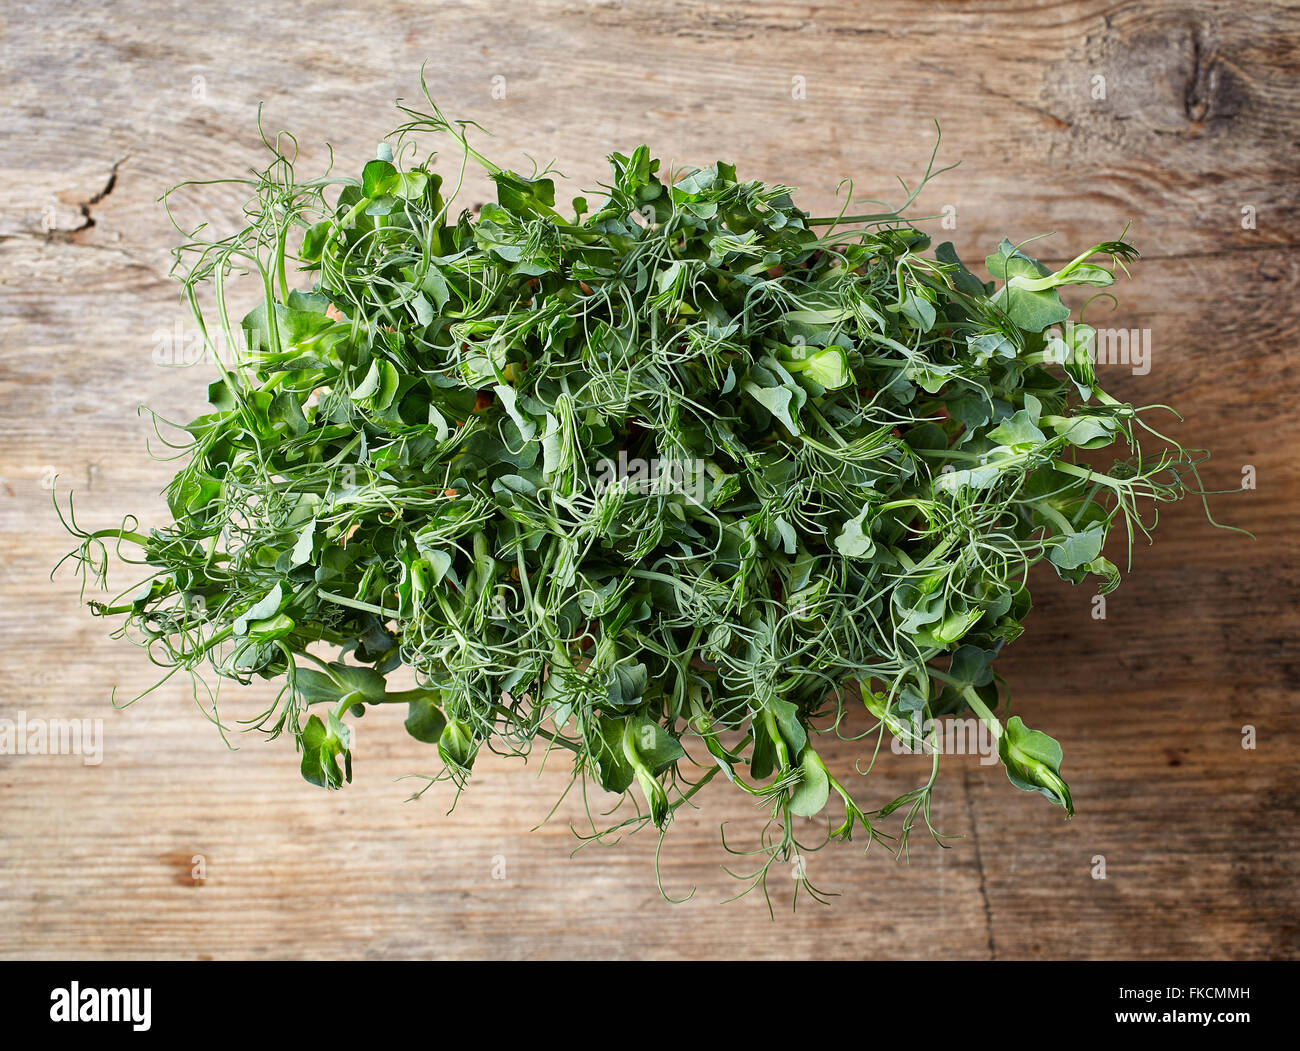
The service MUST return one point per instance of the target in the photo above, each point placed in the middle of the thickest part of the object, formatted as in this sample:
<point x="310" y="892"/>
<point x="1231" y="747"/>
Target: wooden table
<point x="175" y="846"/>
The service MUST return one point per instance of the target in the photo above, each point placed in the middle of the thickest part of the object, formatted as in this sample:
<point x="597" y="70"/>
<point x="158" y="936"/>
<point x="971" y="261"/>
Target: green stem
<point x="837" y="220"/>
<point x="774" y="732"/>
<point x="982" y="710"/>
<point x="1091" y="476"/>
<point x="120" y="534"/>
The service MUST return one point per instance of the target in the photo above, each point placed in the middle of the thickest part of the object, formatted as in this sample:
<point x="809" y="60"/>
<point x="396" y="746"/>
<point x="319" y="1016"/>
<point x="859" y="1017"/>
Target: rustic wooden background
<point x="102" y="109"/>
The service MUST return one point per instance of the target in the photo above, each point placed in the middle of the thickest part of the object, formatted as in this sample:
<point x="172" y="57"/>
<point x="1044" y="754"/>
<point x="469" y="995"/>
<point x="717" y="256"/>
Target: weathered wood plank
<point x="105" y="110"/>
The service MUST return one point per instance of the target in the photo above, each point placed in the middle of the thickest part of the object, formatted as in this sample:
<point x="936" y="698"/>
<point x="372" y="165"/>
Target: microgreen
<point x="409" y="465"/>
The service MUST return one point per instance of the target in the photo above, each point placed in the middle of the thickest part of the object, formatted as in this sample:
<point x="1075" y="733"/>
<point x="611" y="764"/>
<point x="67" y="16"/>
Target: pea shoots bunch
<point x="670" y="485"/>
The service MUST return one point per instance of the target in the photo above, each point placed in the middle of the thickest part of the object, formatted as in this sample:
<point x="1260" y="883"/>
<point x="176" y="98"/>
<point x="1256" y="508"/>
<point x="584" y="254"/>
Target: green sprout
<point x="407" y="464"/>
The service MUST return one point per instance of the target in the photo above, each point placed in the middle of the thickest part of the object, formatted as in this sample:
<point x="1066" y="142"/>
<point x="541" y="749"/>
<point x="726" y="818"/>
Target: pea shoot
<point x="668" y="486"/>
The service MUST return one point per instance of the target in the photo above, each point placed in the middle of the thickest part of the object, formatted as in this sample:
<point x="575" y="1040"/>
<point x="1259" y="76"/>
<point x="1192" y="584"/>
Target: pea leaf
<point x="1077" y="549"/>
<point x="656" y="747"/>
<point x="302" y="550"/>
<point x="789" y="723"/>
<point x="321" y="750"/>
<point x="775" y="400"/>
<point x="1033" y="762"/>
<point x="456" y="745"/>
<point x="854" y="540"/>
<point x="1017" y="433"/>
<point x="612" y="769"/>
<point x="424" y="720"/>
<point x="813" y="790"/>
<point x="268" y="605"/>
<point x="1029" y="308"/>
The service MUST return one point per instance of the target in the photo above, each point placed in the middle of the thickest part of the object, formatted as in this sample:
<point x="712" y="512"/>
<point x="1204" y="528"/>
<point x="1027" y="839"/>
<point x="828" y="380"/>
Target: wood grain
<point x="103" y="111"/>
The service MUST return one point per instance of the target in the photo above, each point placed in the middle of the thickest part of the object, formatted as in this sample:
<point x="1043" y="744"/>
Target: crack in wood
<point x="1198" y="96"/>
<point x="83" y="208"/>
<point x="979" y="866"/>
